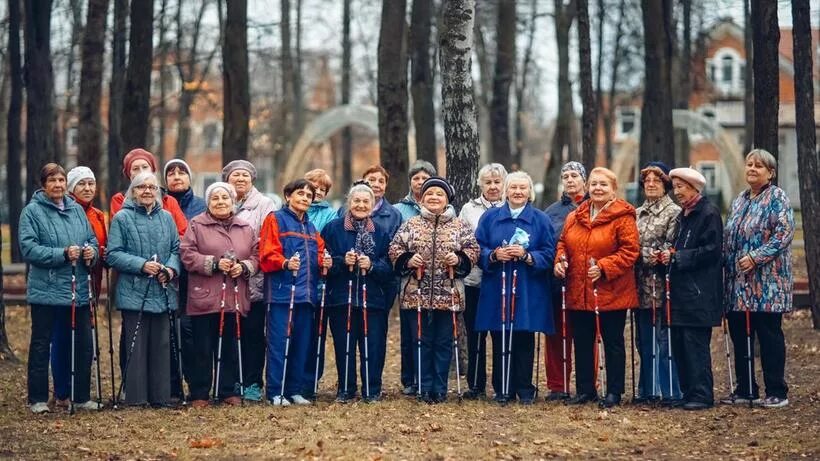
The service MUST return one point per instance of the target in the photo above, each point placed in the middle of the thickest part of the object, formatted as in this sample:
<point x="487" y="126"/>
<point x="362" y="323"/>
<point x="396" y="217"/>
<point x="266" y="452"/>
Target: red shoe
<point x="199" y="404"/>
<point x="232" y="401"/>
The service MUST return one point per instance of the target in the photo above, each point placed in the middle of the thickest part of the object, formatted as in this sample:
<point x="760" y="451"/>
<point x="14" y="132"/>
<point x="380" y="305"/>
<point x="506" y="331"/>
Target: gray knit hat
<point x="239" y="165"/>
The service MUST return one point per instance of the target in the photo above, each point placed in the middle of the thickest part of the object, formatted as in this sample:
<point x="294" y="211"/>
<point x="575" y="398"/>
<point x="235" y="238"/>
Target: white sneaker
<point x="299" y="400"/>
<point x="39" y="408"/>
<point x="88" y="406"/>
<point x="775" y="402"/>
<point x="279" y="401"/>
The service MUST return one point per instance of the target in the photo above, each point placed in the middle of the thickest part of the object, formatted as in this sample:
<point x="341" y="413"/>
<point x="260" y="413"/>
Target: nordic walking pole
<point x="564" y="358"/>
<point x="419" y="275"/>
<point x="669" y="331"/>
<point x="749" y="347"/>
<point x="512" y="326"/>
<point x="321" y="324"/>
<point x="364" y="319"/>
<point x="455" y="328"/>
<point x="537" y="361"/>
<point x="725" y="325"/>
<point x="95" y="345"/>
<point x="238" y="321"/>
<point x="655" y="363"/>
<point x="175" y="337"/>
<point x="288" y="330"/>
<point x="219" y="341"/>
<point x="347" y="329"/>
<point x="632" y="348"/>
<point x="503" y="330"/>
<point x="110" y="336"/>
<point x="73" y="333"/>
<point x="598" y="338"/>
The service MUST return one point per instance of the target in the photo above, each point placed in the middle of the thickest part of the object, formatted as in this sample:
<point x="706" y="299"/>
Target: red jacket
<point x="169" y="204"/>
<point x="612" y="240"/>
<point x="97" y="220"/>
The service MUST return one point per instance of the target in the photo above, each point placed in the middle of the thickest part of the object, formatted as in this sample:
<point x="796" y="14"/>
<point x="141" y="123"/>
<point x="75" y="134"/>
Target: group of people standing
<point x="234" y="293"/>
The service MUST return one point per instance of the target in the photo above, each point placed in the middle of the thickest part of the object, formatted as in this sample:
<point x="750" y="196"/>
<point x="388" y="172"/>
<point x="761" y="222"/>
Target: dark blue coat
<point x="558" y="212"/>
<point x="190" y="204"/>
<point x="533" y="306"/>
<point x="381" y="280"/>
<point x="386" y="217"/>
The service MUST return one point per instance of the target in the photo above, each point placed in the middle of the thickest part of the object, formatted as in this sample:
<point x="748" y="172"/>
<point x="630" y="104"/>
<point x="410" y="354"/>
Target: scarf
<point x="689" y="205"/>
<point x="364" y="229"/>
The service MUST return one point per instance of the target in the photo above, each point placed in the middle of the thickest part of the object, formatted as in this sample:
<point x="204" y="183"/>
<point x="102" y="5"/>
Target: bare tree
<point x="236" y="81"/>
<point x="808" y="158"/>
<point x="458" y="103"/>
<point x="39" y="91"/>
<point x="89" y="150"/>
<point x="766" y="36"/>
<point x="137" y="94"/>
<point x="285" y="127"/>
<point x="748" y="81"/>
<point x="116" y="181"/>
<point x="421" y="80"/>
<point x="6" y="353"/>
<point x="347" y="133"/>
<point x="298" y="98"/>
<point x="502" y="80"/>
<point x="617" y="55"/>
<point x="161" y="111"/>
<point x="589" y="118"/>
<point x="523" y="80"/>
<point x="392" y="96"/>
<point x="683" y="85"/>
<point x="656" y="115"/>
<point x="14" y="182"/>
<point x="67" y="117"/>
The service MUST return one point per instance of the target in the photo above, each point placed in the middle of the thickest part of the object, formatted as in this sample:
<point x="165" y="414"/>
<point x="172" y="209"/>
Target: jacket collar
<point x="448" y="214"/>
<point x="182" y="197"/>
<point x="40" y="198"/>
<point x="251" y="200"/>
<point x="526" y="215"/>
<point x="304" y="220"/>
<point x="656" y="207"/>
<point x="131" y="204"/>
<point x="482" y="202"/>
<point x="207" y="219"/>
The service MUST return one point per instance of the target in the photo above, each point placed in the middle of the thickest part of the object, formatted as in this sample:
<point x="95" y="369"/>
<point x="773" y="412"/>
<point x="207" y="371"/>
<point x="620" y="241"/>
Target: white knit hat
<point x="220" y="185"/>
<point x="77" y="174"/>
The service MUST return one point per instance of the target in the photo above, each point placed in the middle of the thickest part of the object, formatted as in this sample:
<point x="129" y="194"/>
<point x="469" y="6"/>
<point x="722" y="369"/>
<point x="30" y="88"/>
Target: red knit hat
<point x="137" y="154"/>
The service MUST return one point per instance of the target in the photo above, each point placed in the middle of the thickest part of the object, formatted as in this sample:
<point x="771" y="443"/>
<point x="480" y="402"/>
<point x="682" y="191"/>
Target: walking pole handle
<point x="450" y="273"/>
<point x="419" y="272"/>
<point x="325" y="255"/>
<point x="295" y="255"/>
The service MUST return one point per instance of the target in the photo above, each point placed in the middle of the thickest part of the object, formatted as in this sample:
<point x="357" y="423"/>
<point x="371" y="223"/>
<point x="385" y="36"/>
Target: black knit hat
<point x="656" y="167"/>
<point x="438" y="181"/>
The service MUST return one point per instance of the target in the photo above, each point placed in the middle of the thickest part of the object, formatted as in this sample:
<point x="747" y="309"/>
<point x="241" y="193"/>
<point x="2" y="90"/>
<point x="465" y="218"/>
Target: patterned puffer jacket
<point x="433" y="236"/>
<point x="658" y="227"/>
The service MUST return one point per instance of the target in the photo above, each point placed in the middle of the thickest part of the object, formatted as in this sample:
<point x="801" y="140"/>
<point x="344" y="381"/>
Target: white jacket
<point x="471" y="212"/>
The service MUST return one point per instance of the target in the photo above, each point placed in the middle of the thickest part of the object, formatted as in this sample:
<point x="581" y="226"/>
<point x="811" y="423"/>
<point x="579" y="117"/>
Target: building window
<point x="627" y="119"/>
<point x="709" y="171"/>
<point x="727" y="67"/>
<point x="210" y="135"/>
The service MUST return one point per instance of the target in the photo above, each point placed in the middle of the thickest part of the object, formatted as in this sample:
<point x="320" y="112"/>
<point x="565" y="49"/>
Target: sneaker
<point x="473" y="394"/>
<point x="735" y="399"/>
<point x="233" y="401"/>
<point x="253" y="393"/>
<point x="775" y="402"/>
<point x="299" y="400"/>
<point x="91" y="405"/>
<point x="39" y="408"/>
<point x="279" y="401"/>
<point x="556" y="396"/>
<point x="61" y="403"/>
<point x="410" y="390"/>
<point x="696" y="406"/>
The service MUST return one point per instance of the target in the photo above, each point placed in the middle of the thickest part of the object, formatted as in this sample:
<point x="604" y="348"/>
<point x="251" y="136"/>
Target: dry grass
<point x="398" y="428"/>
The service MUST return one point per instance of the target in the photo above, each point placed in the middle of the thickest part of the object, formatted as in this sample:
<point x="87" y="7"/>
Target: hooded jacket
<point x="612" y="240"/>
<point x="254" y="210"/>
<point x="471" y="212"/>
<point x="96" y="218"/>
<point x="168" y="203"/>
<point x="189" y="203"/>
<point x="320" y="213"/>
<point x="658" y="227"/>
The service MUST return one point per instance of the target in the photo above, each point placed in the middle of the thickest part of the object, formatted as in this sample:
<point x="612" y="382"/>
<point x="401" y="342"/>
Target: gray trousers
<point x="148" y="377"/>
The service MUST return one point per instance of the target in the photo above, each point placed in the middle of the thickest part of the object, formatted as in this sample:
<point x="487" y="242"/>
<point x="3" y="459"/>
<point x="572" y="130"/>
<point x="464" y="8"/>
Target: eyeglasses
<point x="144" y="187"/>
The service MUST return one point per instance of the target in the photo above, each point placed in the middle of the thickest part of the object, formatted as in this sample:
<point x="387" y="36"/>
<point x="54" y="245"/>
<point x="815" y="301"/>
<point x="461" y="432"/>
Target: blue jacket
<point x="282" y="235"/>
<point x="321" y="213"/>
<point x="408" y="207"/>
<point x="45" y="231"/>
<point x="135" y="236"/>
<point x="190" y="204"/>
<point x="381" y="280"/>
<point x="558" y="212"/>
<point x="533" y="305"/>
<point x="386" y="217"/>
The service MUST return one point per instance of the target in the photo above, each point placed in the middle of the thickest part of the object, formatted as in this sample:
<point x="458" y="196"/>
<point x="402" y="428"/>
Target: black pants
<point x="253" y="344"/>
<point x="436" y="349"/>
<point x="43" y="320"/>
<point x="476" y="343"/>
<point x="148" y="368"/>
<point x="583" y="337"/>
<point x="407" y="321"/>
<point x="201" y="368"/>
<point x="185" y="340"/>
<point x="690" y="348"/>
<point x="767" y="327"/>
<point x="376" y="346"/>
<point x="521" y="357"/>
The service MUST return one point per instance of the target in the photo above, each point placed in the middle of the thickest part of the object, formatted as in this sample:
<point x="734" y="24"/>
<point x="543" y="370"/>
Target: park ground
<point x="400" y="428"/>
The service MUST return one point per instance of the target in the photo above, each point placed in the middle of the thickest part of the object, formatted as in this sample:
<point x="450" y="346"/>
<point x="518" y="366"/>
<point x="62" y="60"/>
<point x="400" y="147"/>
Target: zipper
<point x="307" y="255"/>
<point x="433" y="269"/>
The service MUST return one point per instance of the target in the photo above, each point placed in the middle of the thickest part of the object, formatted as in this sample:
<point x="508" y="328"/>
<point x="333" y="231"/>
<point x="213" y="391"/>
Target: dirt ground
<point x="400" y="428"/>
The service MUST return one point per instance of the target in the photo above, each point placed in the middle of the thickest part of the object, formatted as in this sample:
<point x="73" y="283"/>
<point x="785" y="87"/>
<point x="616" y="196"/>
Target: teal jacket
<point x="134" y="237"/>
<point x="45" y="231"/>
<point x="320" y="213"/>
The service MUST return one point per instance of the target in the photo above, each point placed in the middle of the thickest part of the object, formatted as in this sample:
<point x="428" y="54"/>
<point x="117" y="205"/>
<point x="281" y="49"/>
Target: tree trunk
<point x="748" y="82"/>
<point x="186" y="98"/>
<point x="521" y="88"/>
<point x="285" y="114"/>
<point x="808" y="158"/>
<point x="599" y="65"/>
<point x="483" y="89"/>
<point x="14" y="182"/>
<point x="617" y="57"/>
<point x="421" y="80"/>
<point x="656" y="115"/>
<point x="235" y="82"/>
<point x="589" y="118"/>
<point x="563" y="141"/>
<point x="116" y="181"/>
<point x="392" y="96"/>
<point x="298" y="98"/>
<point x="347" y="133"/>
<point x="684" y="84"/>
<point x="458" y="103"/>
<point x="89" y="130"/>
<point x="504" y="73"/>
<point x="39" y="92"/>
<point x="766" y="36"/>
<point x="137" y="95"/>
<point x="164" y="80"/>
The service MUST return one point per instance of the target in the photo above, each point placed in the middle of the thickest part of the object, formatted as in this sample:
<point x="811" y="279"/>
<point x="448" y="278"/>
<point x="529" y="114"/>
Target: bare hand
<point x="503" y="254"/>
<point x="73" y="253"/>
<point x="594" y="273"/>
<point x="327" y="262"/>
<point x="294" y="263"/>
<point x="560" y="269"/>
<point x="88" y="255"/>
<point x="225" y="264"/>
<point x="151" y="267"/>
<point x="746" y="264"/>
<point x="364" y="262"/>
<point x="165" y="274"/>
<point x="236" y="270"/>
<point x="665" y="257"/>
<point x="516" y="251"/>
<point x="451" y="259"/>
<point x="654" y="256"/>
<point x="416" y="261"/>
<point x="350" y="258"/>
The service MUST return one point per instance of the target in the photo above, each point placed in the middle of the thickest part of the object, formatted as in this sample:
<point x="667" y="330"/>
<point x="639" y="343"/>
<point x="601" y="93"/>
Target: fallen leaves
<point x="205" y="442"/>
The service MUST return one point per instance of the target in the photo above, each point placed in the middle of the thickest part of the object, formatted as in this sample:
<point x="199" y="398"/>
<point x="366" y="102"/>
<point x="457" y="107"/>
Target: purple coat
<point x="205" y="241"/>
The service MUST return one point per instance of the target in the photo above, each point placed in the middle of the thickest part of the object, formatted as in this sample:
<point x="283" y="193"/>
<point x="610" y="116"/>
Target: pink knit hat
<point x="137" y="154"/>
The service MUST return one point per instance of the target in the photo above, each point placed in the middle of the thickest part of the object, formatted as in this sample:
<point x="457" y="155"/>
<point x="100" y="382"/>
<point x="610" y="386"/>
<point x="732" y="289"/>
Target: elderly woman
<point x="491" y="183"/>
<point x="517" y="249"/>
<point x="143" y="245"/>
<point x="252" y="207"/>
<point x="443" y="249"/>
<point x="758" y="279"/>
<point x="596" y="253"/>
<point x="359" y="248"/>
<point x="410" y="205"/>
<point x="694" y="275"/>
<point x="558" y="353"/>
<point x="217" y="247"/>
<point x="321" y="211"/>
<point x="58" y="264"/>
<point x="291" y="253"/>
<point x="657" y="225"/>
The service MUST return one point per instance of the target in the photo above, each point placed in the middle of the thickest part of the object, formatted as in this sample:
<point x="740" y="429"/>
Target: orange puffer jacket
<point x="612" y="240"/>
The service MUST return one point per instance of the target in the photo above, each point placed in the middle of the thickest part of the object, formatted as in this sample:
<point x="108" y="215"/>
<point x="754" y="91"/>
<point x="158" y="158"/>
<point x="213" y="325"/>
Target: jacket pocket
<point x="199" y="293"/>
<point x="687" y="288"/>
